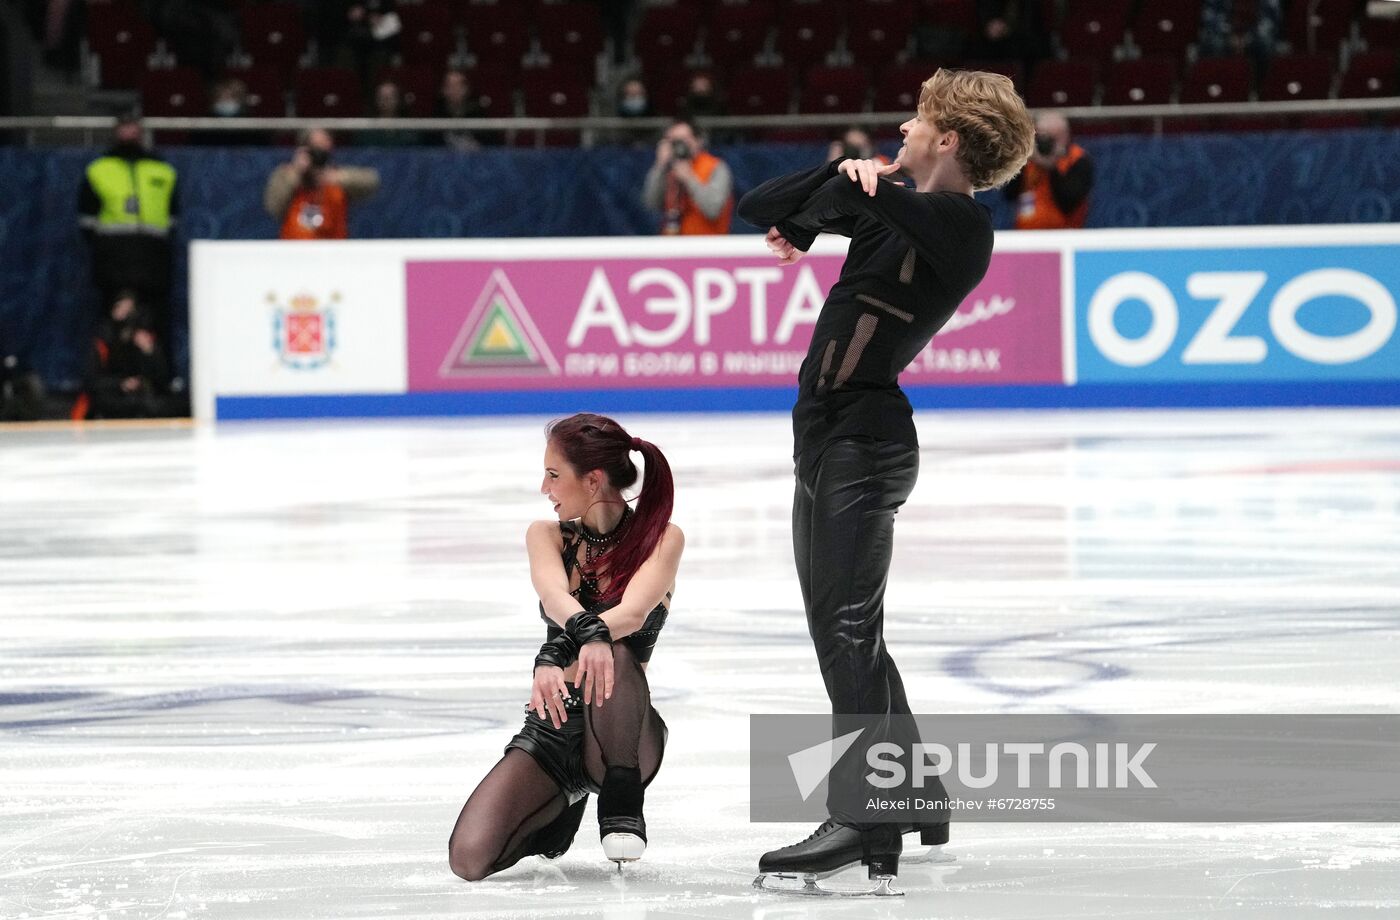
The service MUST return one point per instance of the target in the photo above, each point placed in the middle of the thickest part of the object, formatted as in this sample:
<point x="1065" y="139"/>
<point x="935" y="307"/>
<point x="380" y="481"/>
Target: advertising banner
<point x="608" y="322"/>
<point x="1236" y="314"/>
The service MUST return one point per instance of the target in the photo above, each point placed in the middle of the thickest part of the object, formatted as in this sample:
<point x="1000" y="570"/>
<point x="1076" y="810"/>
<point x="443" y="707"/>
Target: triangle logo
<point x="498" y="336"/>
<point x="811" y="765"/>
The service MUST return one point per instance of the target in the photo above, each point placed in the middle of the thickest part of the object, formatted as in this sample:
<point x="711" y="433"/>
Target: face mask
<point x="227" y="108"/>
<point x="633" y="105"/>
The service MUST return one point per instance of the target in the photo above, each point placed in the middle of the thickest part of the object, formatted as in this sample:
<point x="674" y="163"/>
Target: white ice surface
<point x="253" y="672"/>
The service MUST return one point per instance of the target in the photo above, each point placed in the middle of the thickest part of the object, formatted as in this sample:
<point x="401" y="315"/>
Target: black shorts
<point x="559" y="751"/>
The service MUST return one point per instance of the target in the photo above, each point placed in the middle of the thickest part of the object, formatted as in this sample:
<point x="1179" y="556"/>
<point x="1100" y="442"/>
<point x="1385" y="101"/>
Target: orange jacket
<point x="1036" y="208"/>
<point x="316" y="214"/>
<point x="693" y="220"/>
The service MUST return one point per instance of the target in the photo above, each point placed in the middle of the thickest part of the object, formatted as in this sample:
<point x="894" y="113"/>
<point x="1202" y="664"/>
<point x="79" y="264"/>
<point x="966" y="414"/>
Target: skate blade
<point x="783" y="883"/>
<point x="621" y="848"/>
<point x="933" y="856"/>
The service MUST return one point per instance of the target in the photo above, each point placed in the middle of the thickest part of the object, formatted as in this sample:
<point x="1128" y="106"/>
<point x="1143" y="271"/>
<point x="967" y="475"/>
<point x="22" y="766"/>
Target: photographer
<point x="309" y="196"/>
<point x="691" y="187"/>
<point x="1052" y="192"/>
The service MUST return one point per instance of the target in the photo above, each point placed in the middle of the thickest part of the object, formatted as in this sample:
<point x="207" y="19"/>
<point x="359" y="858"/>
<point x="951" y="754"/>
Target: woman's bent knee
<point x="467" y="862"/>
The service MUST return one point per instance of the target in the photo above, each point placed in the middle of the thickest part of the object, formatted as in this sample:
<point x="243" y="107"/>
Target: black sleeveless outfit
<point x="559" y="751"/>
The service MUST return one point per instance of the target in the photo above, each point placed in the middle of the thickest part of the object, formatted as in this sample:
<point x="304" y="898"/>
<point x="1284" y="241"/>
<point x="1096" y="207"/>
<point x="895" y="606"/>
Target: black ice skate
<point x="932" y="836"/>
<point x="555" y="838"/>
<point x="620" y="823"/>
<point x="830" y="849"/>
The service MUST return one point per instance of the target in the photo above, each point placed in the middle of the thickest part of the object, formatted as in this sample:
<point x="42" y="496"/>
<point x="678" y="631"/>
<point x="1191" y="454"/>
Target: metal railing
<point x="595" y="128"/>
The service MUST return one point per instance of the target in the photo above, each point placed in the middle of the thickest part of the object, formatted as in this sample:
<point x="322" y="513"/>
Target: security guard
<point x="127" y="208"/>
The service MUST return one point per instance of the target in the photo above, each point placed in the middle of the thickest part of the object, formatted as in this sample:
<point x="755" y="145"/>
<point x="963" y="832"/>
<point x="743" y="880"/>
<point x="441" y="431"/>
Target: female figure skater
<point x="915" y="253"/>
<point x="604" y="574"/>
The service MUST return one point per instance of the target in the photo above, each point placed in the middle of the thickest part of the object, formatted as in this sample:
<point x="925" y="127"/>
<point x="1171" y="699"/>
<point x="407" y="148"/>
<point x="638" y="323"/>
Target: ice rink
<point x="253" y="671"/>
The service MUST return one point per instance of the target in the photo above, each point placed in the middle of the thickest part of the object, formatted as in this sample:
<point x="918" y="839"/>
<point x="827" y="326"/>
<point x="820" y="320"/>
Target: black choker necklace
<point x="599" y="539"/>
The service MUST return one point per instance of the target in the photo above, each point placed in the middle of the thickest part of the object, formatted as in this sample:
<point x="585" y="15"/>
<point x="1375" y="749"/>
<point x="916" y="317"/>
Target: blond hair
<point x="995" y="132"/>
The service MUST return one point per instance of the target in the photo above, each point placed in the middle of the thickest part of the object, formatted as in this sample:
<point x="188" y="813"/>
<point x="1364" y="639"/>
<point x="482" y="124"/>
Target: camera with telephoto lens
<point x="680" y="150"/>
<point x="319" y="159"/>
<point x="1044" y="145"/>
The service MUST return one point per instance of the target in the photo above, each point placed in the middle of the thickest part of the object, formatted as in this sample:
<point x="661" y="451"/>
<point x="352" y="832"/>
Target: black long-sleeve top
<point x="913" y="257"/>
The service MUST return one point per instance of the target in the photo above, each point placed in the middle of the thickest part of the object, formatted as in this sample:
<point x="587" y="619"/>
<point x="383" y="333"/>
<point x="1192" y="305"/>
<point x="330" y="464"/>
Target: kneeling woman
<point x="605" y="575"/>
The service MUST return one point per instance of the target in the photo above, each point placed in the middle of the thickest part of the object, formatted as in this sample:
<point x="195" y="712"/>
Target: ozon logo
<point x="1233" y="294"/>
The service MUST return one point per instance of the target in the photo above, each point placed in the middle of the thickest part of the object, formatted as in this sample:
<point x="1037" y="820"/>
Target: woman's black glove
<point x="586" y="626"/>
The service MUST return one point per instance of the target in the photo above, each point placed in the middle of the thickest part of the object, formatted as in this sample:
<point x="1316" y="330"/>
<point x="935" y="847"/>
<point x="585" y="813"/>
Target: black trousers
<point x="843" y="537"/>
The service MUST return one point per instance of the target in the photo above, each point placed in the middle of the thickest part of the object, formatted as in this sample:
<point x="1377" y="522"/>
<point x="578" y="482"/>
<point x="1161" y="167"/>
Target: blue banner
<point x="1234" y="315"/>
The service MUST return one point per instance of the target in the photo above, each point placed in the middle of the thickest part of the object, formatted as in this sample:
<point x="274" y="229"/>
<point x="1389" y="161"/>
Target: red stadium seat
<point x="832" y="90"/>
<point x="427" y="39"/>
<point x="1166" y="26"/>
<point x="1145" y="81"/>
<point x="328" y="92"/>
<point x="897" y="89"/>
<point x="878" y="30"/>
<point x="175" y="93"/>
<point x="122" y="41"/>
<point x="1062" y="84"/>
<point x="737" y="32"/>
<point x="759" y="91"/>
<point x="807" y="31"/>
<point x="1092" y="29"/>
<point x="666" y="37"/>
<point x="498" y="34"/>
<point x="1225" y="79"/>
<point x="1381" y="32"/>
<point x="1297" y="76"/>
<point x="550" y="94"/>
<point x="1012" y="70"/>
<point x="571" y="34"/>
<point x="273" y="35"/>
<point x="495" y="92"/>
<point x="1318" y="26"/>
<point x="1371" y="75"/>
<point x="667" y="89"/>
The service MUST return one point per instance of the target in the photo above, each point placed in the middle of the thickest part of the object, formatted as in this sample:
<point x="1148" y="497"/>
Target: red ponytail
<point x="595" y="442"/>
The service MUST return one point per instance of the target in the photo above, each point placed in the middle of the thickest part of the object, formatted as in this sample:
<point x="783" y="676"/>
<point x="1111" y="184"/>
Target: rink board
<point x="1125" y="318"/>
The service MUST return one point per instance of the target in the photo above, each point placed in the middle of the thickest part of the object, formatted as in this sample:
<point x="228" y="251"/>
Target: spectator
<point x="373" y="35"/>
<point x="309" y="196"/>
<point x="229" y="99"/>
<point x="128" y="375"/>
<point x="632" y="102"/>
<point x="456" y="100"/>
<point x="127" y="207"/>
<point x="855" y="144"/>
<point x="701" y="99"/>
<point x="388" y="104"/>
<point x="691" y="187"/>
<point x="1006" y="29"/>
<point x="1218" y="37"/>
<point x="1052" y="192"/>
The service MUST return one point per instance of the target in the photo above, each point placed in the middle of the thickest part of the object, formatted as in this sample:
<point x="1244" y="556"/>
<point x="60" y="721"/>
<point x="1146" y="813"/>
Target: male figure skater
<point x="915" y="253"/>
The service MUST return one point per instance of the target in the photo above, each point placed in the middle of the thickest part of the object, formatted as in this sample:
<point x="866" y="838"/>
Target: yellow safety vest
<point x="135" y="195"/>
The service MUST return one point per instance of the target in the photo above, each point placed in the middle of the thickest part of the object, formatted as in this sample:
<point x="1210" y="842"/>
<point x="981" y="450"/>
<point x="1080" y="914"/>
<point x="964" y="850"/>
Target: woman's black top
<point x="913" y="257"/>
<point x="640" y="642"/>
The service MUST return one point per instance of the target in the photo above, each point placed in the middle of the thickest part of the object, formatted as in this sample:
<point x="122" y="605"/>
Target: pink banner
<point x="607" y="323"/>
